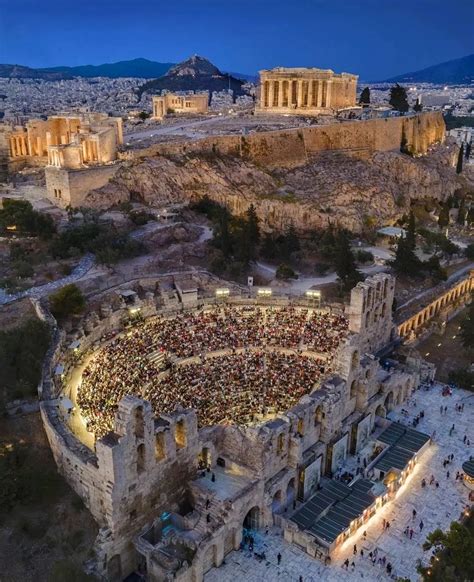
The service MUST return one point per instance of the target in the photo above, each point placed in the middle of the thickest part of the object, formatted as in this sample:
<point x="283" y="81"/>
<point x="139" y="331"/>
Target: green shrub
<point x="69" y="300"/>
<point x="285" y="272"/>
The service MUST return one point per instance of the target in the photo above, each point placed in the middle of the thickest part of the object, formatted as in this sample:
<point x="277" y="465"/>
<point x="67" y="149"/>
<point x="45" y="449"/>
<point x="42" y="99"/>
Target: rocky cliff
<point x="330" y="187"/>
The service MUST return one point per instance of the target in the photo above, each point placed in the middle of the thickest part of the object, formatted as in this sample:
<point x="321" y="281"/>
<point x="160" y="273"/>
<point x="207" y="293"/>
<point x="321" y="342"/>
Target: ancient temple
<point x="304" y="91"/>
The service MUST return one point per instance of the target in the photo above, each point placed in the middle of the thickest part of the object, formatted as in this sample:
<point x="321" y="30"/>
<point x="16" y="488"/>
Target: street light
<point x="223" y="292"/>
<point x="314" y="295"/>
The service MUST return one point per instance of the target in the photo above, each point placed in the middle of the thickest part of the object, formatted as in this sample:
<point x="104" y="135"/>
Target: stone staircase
<point x="218" y="510"/>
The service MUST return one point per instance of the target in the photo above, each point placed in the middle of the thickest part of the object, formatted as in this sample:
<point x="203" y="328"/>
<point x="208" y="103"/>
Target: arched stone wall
<point x="461" y="290"/>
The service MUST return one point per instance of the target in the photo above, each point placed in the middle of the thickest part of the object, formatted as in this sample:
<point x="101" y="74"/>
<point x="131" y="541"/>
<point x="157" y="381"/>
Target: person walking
<point x="413" y="513"/>
<point x="279" y="558"/>
<point x="422" y="525"/>
<point x="355" y="550"/>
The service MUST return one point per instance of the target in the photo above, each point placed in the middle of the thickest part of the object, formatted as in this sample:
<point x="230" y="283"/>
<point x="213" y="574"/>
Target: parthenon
<point x="305" y="91"/>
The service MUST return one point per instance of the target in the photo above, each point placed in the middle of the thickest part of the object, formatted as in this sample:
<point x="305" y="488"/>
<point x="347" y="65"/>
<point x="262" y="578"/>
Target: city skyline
<point x="341" y="36"/>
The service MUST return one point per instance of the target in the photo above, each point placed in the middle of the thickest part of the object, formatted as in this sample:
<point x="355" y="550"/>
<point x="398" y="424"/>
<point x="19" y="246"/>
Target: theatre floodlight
<point x="222" y="292"/>
<point x="264" y="292"/>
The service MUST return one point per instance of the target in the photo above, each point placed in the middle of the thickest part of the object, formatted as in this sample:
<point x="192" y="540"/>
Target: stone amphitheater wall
<point x="293" y="146"/>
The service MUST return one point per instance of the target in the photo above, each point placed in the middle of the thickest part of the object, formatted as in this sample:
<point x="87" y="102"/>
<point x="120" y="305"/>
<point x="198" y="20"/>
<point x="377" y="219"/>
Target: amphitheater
<point x="185" y="427"/>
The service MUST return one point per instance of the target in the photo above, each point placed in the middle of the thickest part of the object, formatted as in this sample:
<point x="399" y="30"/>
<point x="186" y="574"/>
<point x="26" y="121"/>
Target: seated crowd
<point x="229" y="388"/>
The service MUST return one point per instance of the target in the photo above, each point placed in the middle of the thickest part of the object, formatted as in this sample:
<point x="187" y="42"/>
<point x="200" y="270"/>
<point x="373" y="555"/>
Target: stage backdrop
<point x="312" y="475"/>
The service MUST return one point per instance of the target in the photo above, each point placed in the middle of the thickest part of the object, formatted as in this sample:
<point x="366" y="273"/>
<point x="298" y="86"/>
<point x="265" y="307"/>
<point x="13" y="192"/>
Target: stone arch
<point x="139" y="423"/>
<point x="380" y="411"/>
<point x="114" y="568"/>
<point x="300" y="426"/>
<point x="318" y="415"/>
<point x="140" y="458"/>
<point x="354" y="360"/>
<point x="180" y="433"/>
<point x="252" y="518"/>
<point x="209" y="558"/>
<point x="277" y="502"/>
<point x="290" y="491"/>
<point x="205" y="458"/>
<point x="354" y="386"/>
<point x="280" y="443"/>
<point x="388" y="403"/>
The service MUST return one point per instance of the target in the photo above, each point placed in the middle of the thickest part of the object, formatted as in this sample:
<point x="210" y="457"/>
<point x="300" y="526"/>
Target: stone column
<point x="280" y="93"/>
<point x="328" y="93"/>
<point x="299" y="97"/>
<point x="310" y="93"/>
<point x="270" y="93"/>
<point x="24" y="150"/>
<point x="319" y="93"/>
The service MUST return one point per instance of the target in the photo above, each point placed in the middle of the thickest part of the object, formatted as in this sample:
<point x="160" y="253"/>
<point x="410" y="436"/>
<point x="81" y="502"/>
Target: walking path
<point x="437" y="507"/>
<point x="453" y="277"/>
<point x="304" y="283"/>
<point x="84" y="266"/>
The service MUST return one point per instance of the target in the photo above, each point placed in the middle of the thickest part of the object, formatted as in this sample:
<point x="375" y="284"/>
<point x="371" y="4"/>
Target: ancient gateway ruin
<point x="183" y="104"/>
<point x="301" y="91"/>
<point x="173" y="488"/>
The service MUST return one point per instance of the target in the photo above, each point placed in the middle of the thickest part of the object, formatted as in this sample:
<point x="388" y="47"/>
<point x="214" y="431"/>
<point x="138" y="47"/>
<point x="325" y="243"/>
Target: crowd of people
<point x="251" y="379"/>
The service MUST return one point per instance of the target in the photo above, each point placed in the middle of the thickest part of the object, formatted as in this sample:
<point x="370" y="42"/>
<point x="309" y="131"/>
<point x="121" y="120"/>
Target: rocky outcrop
<point x="330" y="187"/>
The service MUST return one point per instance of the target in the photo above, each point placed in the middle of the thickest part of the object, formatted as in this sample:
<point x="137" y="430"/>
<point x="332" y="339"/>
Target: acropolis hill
<point x="342" y="172"/>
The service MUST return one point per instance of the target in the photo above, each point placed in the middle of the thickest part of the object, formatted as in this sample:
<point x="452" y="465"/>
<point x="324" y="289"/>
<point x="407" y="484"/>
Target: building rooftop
<point x="403" y="443"/>
<point x="332" y="509"/>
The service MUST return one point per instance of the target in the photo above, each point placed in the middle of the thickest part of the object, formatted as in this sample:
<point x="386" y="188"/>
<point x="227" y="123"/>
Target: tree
<point x="364" y="98"/>
<point x="285" y="272"/>
<point x="418" y="106"/>
<point x="19" y="215"/>
<point x="470" y="215"/>
<point x="22" y="350"/>
<point x="411" y="231"/>
<point x="468" y="149"/>
<point x="453" y="551"/>
<point x="398" y="98"/>
<point x="247" y="236"/>
<point x="461" y="219"/>
<point x="406" y="262"/>
<point x="443" y="218"/>
<point x="143" y="115"/>
<point x="345" y="264"/>
<point x="469" y="251"/>
<point x="434" y="268"/>
<point x="460" y="159"/>
<point x="69" y="300"/>
<point x="467" y="328"/>
<point x="253" y="229"/>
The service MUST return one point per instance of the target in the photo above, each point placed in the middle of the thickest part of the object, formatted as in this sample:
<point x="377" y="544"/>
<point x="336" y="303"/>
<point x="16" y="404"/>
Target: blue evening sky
<point x="374" y="38"/>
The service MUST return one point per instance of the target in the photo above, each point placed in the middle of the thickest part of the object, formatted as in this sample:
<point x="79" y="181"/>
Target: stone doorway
<point x="252" y="519"/>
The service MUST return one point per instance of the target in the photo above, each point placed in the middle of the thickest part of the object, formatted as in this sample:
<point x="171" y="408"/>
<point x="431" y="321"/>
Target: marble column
<point x="310" y="93"/>
<point x="319" y="94"/>
<point x="270" y="93"/>
<point x="280" y="93"/>
<point x="328" y="93"/>
<point x="299" y="101"/>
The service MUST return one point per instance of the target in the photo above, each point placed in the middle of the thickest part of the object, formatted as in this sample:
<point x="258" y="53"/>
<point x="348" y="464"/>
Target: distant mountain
<point x="20" y="72"/>
<point x="455" y="72"/>
<point x="135" y="68"/>
<point x="194" y="74"/>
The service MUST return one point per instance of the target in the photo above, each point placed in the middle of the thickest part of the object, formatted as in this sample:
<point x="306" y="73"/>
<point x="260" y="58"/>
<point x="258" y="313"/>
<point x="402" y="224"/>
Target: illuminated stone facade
<point x="301" y="91"/>
<point x="68" y="141"/>
<point x="181" y="104"/>
<point x="158" y="512"/>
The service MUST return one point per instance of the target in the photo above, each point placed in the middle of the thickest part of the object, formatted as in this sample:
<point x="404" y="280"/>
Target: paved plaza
<point x="435" y="506"/>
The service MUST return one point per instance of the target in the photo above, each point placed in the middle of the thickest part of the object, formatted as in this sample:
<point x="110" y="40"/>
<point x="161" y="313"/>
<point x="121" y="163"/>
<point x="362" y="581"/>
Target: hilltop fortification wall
<point x="292" y="147"/>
